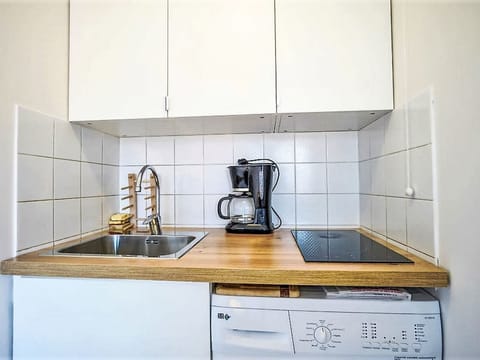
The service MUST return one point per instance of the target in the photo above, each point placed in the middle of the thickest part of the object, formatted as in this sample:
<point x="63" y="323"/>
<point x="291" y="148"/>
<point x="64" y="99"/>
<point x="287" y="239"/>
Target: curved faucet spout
<point x="154" y="220"/>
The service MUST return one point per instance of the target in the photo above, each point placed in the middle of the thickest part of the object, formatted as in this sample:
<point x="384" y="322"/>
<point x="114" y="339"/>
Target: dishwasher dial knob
<point x="322" y="334"/>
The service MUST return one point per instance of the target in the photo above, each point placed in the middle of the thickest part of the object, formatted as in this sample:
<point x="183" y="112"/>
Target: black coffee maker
<point x="249" y="207"/>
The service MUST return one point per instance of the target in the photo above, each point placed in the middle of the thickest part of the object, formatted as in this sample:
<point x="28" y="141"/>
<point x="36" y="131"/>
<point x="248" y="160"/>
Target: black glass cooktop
<point x="343" y="246"/>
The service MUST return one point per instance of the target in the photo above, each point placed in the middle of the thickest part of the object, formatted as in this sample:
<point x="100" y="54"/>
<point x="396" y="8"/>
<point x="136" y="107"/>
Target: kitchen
<point x="435" y="56"/>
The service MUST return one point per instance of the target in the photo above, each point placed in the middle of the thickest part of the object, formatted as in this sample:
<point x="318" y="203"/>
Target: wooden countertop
<point x="232" y="258"/>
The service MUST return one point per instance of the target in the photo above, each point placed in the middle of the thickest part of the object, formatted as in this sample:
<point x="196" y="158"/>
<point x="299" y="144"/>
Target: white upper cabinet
<point x="118" y="59"/>
<point x="221" y="57"/>
<point x="333" y="55"/>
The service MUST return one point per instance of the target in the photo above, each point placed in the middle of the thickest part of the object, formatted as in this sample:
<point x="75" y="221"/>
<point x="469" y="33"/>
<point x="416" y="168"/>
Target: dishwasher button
<point x="394" y="346"/>
<point x="416" y="347"/>
<point x="367" y="345"/>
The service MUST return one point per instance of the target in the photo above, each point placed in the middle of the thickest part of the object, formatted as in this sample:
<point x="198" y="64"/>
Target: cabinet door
<point x="333" y="55"/>
<point x="66" y="318"/>
<point x="221" y="57"/>
<point x="118" y="59"/>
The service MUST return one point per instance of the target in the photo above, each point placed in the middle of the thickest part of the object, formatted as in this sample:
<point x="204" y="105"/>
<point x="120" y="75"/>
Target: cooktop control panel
<point x="409" y="335"/>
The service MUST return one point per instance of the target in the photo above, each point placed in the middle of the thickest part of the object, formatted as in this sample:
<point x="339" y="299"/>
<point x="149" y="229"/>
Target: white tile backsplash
<point x="343" y="209"/>
<point x="376" y="137"/>
<point x="111" y="150"/>
<point x="66" y="218"/>
<point x="167" y="209"/>
<point x="421" y="172"/>
<point x="249" y="146"/>
<point x="366" y="211"/>
<point x="377" y="171"/>
<point x="35" y="178"/>
<point x="310" y="147"/>
<point x="35" y="132"/>
<point x="420" y="226"/>
<point x="66" y="179"/>
<point x="211" y="216"/>
<point x="395" y="132"/>
<point x="397" y="219"/>
<point x="280" y="147"/>
<point x="364" y="145"/>
<point x="395" y="174"/>
<point x="110" y="180"/>
<point x="91" y="179"/>
<point x="92" y="146"/>
<point x="342" y="146"/>
<point x="189" y="210"/>
<point x="342" y="178"/>
<point x="218" y="149"/>
<point x="133" y="151"/>
<point x="200" y="168"/>
<point x="59" y="176"/>
<point x="34" y="224"/>
<point x="67" y="141"/>
<point x="364" y="177"/>
<point x="193" y="175"/>
<point x="286" y="183"/>
<point x="320" y="177"/>
<point x="398" y="159"/>
<point x="217" y="179"/>
<point x="379" y="212"/>
<point x="310" y="178"/>
<point x="166" y="176"/>
<point x="311" y="209"/>
<point x="110" y="205"/>
<point x="92" y="214"/>
<point x="189" y="179"/>
<point x="160" y="150"/>
<point x="188" y="150"/>
<point x="284" y="204"/>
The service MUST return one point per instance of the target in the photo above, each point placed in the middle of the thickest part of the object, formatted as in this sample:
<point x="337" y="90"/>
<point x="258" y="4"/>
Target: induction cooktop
<point x="343" y="246"/>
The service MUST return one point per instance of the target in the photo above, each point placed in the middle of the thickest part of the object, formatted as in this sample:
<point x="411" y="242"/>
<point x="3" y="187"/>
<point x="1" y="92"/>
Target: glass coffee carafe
<point x="240" y="208"/>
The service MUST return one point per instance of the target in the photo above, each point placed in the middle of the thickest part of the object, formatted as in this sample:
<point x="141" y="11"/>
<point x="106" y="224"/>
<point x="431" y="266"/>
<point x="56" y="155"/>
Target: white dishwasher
<point x="313" y="326"/>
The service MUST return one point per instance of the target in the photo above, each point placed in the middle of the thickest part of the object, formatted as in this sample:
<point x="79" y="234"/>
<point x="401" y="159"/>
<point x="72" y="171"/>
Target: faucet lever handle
<point x="154" y="221"/>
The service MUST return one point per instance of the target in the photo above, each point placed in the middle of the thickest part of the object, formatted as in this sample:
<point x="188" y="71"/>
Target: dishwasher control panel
<point x="398" y="335"/>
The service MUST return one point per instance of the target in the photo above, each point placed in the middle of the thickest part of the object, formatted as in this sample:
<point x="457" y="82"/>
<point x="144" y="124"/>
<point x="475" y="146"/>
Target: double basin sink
<point x="151" y="246"/>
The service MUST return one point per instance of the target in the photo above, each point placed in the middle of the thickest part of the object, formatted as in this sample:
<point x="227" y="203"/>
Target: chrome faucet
<point x="154" y="220"/>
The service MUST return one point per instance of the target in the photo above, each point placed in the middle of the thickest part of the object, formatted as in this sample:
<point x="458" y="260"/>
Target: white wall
<point x="318" y="184"/>
<point x="34" y="73"/>
<point x="437" y="45"/>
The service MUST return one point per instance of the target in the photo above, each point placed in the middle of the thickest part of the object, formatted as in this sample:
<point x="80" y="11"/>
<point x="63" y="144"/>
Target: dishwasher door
<point x="239" y="333"/>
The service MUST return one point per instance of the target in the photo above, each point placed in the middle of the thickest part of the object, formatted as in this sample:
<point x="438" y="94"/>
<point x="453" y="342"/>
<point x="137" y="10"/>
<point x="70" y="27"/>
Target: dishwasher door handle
<point x="280" y="342"/>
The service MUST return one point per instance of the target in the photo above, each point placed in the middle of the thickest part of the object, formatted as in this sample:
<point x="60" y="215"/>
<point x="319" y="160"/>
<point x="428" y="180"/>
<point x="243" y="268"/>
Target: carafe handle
<point x="219" y="207"/>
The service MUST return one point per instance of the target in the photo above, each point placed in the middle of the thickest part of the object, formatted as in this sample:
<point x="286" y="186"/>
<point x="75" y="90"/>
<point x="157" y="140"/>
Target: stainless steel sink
<point x="153" y="246"/>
